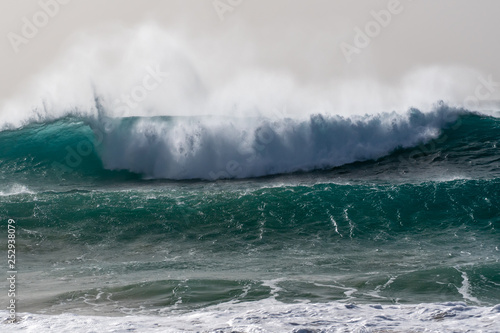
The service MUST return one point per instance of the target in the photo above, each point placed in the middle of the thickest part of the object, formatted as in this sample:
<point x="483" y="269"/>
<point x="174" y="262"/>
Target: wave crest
<point x="215" y="147"/>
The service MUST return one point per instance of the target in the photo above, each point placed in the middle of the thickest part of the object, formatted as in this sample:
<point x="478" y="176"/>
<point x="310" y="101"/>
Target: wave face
<point x="215" y="147"/>
<point x="183" y="247"/>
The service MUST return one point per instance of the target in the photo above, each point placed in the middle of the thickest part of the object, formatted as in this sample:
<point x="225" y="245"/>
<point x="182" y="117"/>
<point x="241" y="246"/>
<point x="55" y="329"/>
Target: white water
<point x="213" y="148"/>
<point x="273" y="316"/>
<point x="15" y="189"/>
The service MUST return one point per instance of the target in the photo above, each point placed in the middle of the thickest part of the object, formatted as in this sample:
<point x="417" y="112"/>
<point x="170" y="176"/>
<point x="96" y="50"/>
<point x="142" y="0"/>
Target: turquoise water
<point x="419" y="225"/>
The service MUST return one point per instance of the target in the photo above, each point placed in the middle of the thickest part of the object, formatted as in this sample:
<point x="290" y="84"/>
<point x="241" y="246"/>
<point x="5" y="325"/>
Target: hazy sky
<point x="303" y="38"/>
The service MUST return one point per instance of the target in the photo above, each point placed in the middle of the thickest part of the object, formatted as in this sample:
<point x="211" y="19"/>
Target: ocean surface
<point x="380" y="223"/>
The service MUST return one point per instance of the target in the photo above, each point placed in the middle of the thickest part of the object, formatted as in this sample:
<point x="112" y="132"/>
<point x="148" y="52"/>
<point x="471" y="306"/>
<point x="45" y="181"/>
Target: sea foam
<point x="216" y="147"/>
<point x="272" y="316"/>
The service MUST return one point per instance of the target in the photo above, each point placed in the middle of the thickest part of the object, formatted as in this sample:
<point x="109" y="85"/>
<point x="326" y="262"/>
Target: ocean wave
<point x="212" y="148"/>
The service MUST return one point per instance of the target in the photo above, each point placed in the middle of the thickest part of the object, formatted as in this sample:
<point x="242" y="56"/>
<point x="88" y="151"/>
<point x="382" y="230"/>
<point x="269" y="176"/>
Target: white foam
<point x="15" y="190"/>
<point x="272" y="316"/>
<point x="464" y="290"/>
<point x="214" y="148"/>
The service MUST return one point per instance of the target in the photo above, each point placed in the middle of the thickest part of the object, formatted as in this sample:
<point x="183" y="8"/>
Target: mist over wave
<point x="158" y="107"/>
<point x="147" y="71"/>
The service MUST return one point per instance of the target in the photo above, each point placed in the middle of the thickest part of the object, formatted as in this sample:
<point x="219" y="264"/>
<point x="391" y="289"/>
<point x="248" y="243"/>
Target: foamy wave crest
<point x="15" y="190"/>
<point x="221" y="147"/>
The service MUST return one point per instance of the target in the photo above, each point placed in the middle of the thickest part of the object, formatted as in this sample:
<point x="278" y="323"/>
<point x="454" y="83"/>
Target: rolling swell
<point x="337" y="211"/>
<point x="361" y="238"/>
<point x="213" y="148"/>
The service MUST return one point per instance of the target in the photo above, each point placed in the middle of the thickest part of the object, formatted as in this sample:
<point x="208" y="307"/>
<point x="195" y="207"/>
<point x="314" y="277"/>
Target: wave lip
<point x="214" y="148"/>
